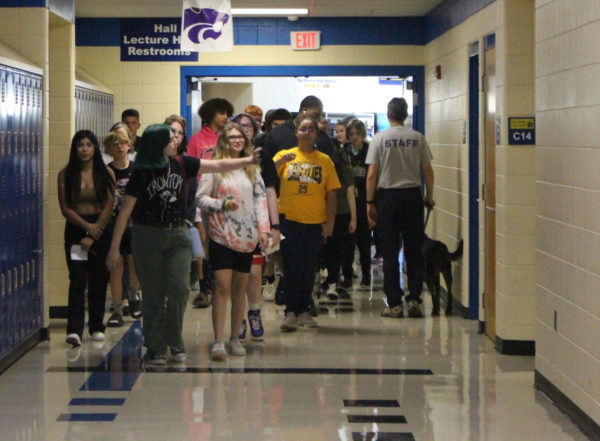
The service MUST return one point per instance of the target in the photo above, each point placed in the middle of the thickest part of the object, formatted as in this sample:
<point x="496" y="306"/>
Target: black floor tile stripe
<point x="306" y="371"/>
<point x="371" y="403"/>
<point x="382" y="436"/>
<point x="391" y="419"/>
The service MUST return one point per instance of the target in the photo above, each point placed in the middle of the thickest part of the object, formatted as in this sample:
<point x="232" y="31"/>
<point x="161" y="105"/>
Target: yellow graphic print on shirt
<point x="305" y="182"/>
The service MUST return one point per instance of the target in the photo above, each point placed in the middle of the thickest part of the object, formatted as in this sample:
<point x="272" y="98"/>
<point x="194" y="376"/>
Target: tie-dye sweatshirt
<point x="239" y="229"/>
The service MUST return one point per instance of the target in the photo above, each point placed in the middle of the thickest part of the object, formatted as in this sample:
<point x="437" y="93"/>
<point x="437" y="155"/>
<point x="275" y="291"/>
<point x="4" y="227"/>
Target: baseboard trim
<point x="515" y="347"/>
<point x="58" y="312"/>
<point x="586" y="424"/>
<point x="27" y="344"/>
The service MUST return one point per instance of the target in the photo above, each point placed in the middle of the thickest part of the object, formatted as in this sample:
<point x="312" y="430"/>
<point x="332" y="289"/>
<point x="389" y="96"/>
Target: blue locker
<point x="93" y="111"/>
<point x="20" y="207"/>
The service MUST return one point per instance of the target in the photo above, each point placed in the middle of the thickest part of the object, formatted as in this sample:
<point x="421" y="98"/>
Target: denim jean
<point x="338" y="247"/>
<point x="300" y="251"/>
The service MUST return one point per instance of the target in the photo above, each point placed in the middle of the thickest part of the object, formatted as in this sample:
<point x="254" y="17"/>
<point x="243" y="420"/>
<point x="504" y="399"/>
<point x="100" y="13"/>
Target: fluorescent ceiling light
<point x="269" y="11"/>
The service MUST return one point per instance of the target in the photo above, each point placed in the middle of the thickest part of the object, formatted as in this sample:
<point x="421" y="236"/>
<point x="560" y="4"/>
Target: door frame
<point x="474" y="199"/>
<point x="489" y="325"/>
<point x="417" y="72"/>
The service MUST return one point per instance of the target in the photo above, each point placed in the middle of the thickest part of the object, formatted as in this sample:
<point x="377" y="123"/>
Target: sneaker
<point x="243" y="329"/>
<point x="152" y="359"/>
<point x="289" y="323"/>
<point x="395" y="311"/>
<point x="256" y="326"/>
<point x="306" y="320"/>
<point x="236" y="348"/>
<point x="331" y="292"/>
<point x="115" y="320"/>
<point x="322" y="274"/>
<point x="269" y="289"/>
<point x="178" y="355"/>
<point x="135" y="309"/>
<point x="201" y="300"/>
<point x="73" y="339"/>
<point x="415" y="309"/>
<point x="98" y="336"/>
<point x="218" y="352"/>
<point x="125" y="307"/>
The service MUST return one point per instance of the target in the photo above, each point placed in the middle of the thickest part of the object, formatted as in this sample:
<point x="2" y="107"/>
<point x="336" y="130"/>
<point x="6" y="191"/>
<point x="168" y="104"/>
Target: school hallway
<point x="359" y="376"/>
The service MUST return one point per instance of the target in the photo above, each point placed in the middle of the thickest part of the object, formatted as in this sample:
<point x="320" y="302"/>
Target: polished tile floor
<point x="357" y="377"/>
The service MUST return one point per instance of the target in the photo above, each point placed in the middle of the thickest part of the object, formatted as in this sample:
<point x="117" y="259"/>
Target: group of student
<point x="301" y="184"/>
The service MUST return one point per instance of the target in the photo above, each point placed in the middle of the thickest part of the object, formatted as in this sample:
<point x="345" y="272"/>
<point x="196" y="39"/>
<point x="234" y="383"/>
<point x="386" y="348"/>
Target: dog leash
<point x="429" y="209"/>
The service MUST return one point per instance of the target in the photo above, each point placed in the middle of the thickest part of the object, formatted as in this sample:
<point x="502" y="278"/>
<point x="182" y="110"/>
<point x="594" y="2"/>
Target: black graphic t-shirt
<point x="359" y="170"/>
<point x="122" y="178"/>
<point x="159" y="193"/>
<point x="268" y="171"/>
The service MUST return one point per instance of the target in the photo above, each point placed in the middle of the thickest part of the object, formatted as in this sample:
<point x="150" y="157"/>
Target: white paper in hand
<point x="78" y="253"/>
<point x="272" y="248"/>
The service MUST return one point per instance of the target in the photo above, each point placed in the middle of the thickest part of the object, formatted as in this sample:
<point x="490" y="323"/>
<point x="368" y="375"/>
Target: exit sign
<point x="306" y="40"/>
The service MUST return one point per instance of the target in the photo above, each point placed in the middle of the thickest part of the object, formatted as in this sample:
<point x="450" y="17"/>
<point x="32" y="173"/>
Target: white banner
<point x="206" y="26"/>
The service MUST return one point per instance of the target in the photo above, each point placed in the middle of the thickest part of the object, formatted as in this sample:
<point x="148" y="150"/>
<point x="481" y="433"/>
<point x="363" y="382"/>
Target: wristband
<point x="275" y="227"/>
<point x="370" y="202"/>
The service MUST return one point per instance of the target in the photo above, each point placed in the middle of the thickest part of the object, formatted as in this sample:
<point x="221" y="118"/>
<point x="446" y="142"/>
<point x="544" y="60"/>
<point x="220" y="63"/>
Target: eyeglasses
<point x="306" y="129"/>
<point x="247" y="126"/>
<point x="235" y="138"/>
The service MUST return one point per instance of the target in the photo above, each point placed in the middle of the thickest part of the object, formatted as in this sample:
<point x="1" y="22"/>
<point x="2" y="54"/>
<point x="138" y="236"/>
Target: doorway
<point x="489" y="84"/>
<point x="188" y="73"/>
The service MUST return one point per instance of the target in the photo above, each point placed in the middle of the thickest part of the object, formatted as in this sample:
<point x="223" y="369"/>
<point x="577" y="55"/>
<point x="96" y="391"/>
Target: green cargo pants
<point x="162" y="261"/>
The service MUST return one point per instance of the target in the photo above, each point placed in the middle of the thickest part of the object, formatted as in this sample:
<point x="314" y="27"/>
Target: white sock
<point x="253" y="306"/>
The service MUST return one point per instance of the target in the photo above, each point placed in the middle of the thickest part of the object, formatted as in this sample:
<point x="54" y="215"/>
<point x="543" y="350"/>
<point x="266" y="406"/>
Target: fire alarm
<point x="438" y="72"/>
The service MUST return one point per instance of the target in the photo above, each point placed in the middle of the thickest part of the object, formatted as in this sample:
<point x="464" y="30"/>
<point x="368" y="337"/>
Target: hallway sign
<point x="152" y="39"/>
<point x="305" y="40"/>
<point x="521" y="131"/>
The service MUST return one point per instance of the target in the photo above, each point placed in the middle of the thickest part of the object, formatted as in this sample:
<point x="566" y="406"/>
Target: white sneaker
<point x="306" y="320"/>
<point x="268" y="291"/>
<point x="178" y="355"/>
<point x="322" y="274"/>
<point x="236" y="348"/>
<point x="289" y="323"/>
<point x="218" y="352"/>
<point x="98" y="336"/>
<point x="74" y="340"/>
<point x="332" y="292"/>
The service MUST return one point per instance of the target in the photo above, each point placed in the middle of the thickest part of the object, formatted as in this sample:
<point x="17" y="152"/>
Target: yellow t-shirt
<point x="305" y="182"/>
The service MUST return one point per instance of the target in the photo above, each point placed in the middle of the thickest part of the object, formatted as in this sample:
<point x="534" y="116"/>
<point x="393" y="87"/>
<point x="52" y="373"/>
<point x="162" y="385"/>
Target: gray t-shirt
<point x="399" y="152"/>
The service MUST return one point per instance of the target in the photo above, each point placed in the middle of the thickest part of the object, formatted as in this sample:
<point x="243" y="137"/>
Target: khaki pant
<point x="162" y="261"/>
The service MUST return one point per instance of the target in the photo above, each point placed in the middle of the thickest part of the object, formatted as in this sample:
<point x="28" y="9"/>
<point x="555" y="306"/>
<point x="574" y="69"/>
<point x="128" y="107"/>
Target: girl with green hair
<point x="161" y="242"/>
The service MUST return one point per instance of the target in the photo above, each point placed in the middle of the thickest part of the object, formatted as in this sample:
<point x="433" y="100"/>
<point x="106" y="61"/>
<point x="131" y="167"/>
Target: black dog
<point x="439" y="260"/>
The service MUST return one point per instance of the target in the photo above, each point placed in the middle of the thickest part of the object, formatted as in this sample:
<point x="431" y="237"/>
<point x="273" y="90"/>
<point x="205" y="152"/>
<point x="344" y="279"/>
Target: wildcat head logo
<point x="202" y="24"/>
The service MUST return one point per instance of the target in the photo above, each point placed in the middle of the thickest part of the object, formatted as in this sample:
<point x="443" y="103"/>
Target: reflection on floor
<point x="357" y="377"/>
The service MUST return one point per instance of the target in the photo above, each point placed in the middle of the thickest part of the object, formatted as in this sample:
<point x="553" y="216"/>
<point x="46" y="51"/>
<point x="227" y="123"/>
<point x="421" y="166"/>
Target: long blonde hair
<point x="222" y="148"/>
